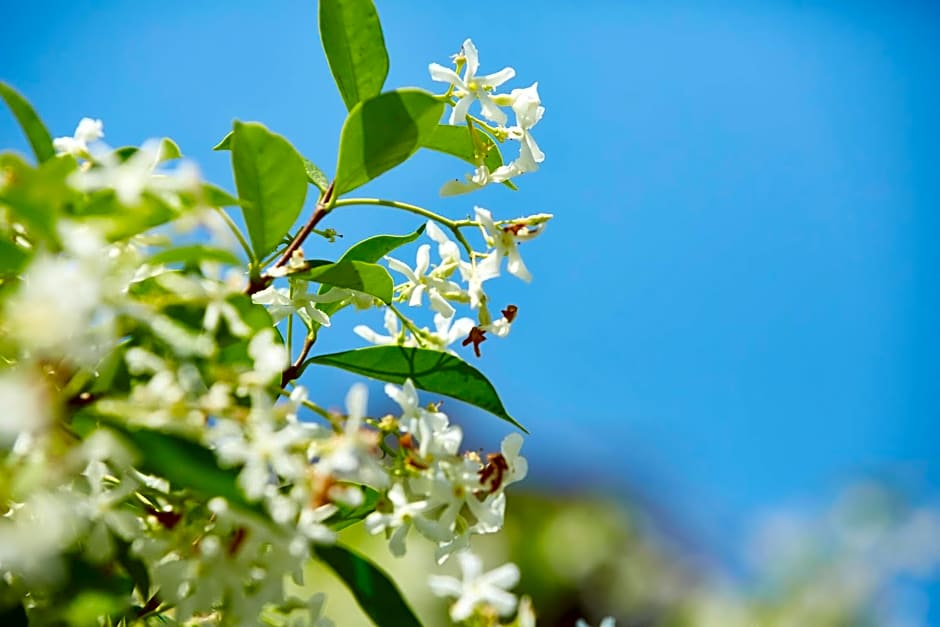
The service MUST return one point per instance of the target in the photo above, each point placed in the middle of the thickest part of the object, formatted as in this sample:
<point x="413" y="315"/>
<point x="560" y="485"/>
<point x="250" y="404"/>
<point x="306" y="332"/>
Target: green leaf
<point x="355" y="48"/>
<point x="36" y="132"/>
<point x="468" y="143"/>
<point x="37" y="196"/>
<point x="167" y="151"/>
<point x="374" y="591"/>
<point x="430" y="370"/>
<point x="225" y="143"/>
<point x="217" y="197"/>
<point x="271" y="182"/>
<point x="374" y="248"/>
<point x="365" y="277"/>
<point x="369" y="250"/>
<point x="315" y="175"/>
<point x="383" y="132"/>
<point x="12" y="258"/>
<point x="184" y="463"/>
<point x="194" y="253"/>
<point x="458" y="141"/>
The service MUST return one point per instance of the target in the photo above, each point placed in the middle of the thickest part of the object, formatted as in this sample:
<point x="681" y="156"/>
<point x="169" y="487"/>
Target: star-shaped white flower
<point x="477" y="588"/>
<point x="420" y="280"/>
<point x="504" y="243"/>
<point x="472" y="87"/>
<point x="529" y="110"/>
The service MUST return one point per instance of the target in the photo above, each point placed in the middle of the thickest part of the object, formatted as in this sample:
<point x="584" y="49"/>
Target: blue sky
<point x="735" y="307"/>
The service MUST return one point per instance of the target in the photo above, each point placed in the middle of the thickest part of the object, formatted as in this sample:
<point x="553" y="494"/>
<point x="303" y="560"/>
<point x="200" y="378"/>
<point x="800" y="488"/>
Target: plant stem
<point x="454" y="226"/>
<point x="237" y="232"/>
<point x="322" y="208"/>
<point x="293" y="371"/>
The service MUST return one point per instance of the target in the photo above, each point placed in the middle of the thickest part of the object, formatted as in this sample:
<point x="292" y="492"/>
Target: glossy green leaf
<point x="433" y="371"/>
<point x="383" y="132"/>
<point x="271" y="183"/>
<point x="370" y="250"/>
<point x="365" y="277"/>
<point x="36" y="132"/>
<point x="375" y="592"/>
<point x="315" y="175"/>
<point x="193" y="253"/>
<point x="225" y="143"/>
<point x="355" y="48"/>
<point x="217" y="197"/>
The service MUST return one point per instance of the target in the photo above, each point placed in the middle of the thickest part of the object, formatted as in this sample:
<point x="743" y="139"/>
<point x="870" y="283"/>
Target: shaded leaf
<point x="383" y="132"/>
<point x="355" y="48"/>
<point x="375" y="592"/>
<point x="430" y="370"/>
<point x="355" y="275"/>
<point x="217" y="197"/>
<point x="271" y="183"/>
<point x="36" y="132"/>
<point x="225" y="143"/>
<point x="194" y="253"/>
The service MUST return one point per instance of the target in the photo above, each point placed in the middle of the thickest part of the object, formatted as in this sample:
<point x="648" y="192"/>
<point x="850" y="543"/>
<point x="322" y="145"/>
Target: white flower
<point x="480" y="178"/>
<point x="504" y="242"/>
<point x="434" y="433"/>
<point x="448" y="330"/>
<point x="25" y="406"/>
<point x="349" y="455"/>
<point x="269" y="356"/>
<point x="475" y="273"/>
<point x="395" y="335"/>
<point x="420" y="280"/>
<point x="447" y="249"/>
<point x="135" y="176"/>
<point x="518" y="466"/>
<point x="404" y="514"/>
<point x="472" y="87"/>
<point x="281" y="304"/>
<point x="261" y="448"/>
<point x="87" y="131"/>
<point x="52" y="311"/>
<point x="477" y="588"/>
<point x="529" y="110"/>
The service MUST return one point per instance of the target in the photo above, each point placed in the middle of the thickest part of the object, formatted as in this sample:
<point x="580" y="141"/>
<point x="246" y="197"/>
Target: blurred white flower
<point x="87" y="131"/>
<point x="477" y="588"/>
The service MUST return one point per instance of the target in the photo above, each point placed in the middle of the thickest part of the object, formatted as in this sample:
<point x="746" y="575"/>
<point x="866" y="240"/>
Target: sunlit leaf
<point x="355" y="48"/>
<point x="271" y="183"/>
<point x="355" y="275"/>
<point x="430" y="370"/>
<point x="383" y="132"/>
<point x="36" y="132"/>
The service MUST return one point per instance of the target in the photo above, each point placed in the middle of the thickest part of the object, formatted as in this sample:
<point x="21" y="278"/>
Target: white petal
<point x="443" y="74"/>
<point x="473" y="58"/>
<point x="496" y="78"/>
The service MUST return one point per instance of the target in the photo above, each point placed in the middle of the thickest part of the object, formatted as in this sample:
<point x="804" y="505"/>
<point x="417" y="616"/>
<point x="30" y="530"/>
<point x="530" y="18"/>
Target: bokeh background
<point x="733" y="323"/>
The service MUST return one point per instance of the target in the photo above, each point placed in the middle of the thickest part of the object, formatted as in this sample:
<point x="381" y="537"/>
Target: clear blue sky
<point x="736" y="305"/>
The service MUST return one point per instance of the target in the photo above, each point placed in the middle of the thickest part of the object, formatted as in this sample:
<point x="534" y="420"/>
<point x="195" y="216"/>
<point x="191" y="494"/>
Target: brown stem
<point x="259" y="283"/>
<point x="293" y="371"/>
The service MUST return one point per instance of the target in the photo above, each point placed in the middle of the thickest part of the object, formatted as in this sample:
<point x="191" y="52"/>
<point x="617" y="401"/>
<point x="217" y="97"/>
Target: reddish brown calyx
<point x="476" y="337"/>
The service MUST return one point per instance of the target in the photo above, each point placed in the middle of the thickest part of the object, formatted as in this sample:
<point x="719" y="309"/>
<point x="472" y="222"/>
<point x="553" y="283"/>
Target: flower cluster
<point x="472" y="87"/>
<point x="160" y="455"/>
